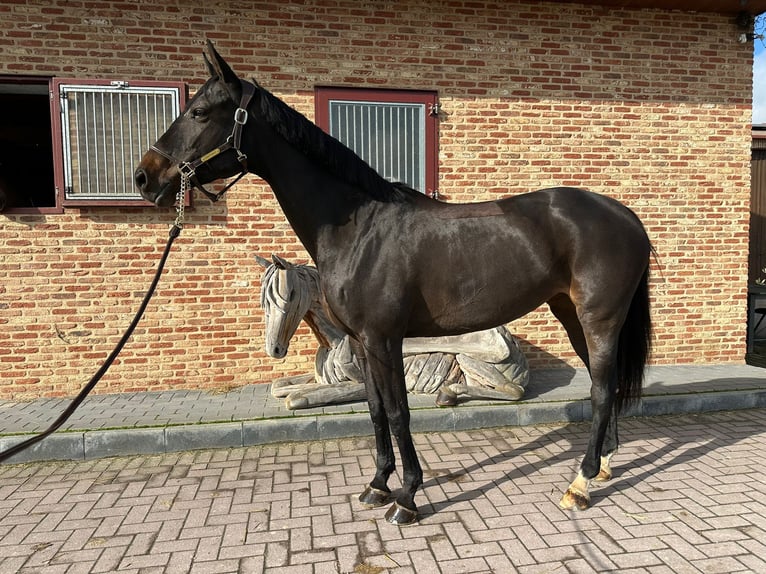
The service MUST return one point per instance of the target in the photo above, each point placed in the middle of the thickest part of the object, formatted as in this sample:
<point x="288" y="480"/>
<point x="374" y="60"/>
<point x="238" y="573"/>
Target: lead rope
<point x="175" y="231"/>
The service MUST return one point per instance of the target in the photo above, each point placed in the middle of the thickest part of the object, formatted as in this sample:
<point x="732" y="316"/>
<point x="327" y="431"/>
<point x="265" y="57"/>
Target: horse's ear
<point x="281" y="263"/>
<point x="262" y="261"/>
<point x="211" y="70"/>
<point x="218" y="67"/>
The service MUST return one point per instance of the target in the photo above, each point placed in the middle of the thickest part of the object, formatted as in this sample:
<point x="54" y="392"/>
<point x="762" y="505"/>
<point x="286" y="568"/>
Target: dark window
<point x="26" y="151"/>
<point x="393" y="131"/>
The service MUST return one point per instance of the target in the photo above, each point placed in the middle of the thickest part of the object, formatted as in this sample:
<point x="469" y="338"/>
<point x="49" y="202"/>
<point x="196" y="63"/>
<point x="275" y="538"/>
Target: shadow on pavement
<point x="684" y="438"/>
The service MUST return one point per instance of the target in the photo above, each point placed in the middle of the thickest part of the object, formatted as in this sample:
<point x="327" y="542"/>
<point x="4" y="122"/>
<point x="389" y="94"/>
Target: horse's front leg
<point x="377" y="492"/>
<point x="387" y="390"/>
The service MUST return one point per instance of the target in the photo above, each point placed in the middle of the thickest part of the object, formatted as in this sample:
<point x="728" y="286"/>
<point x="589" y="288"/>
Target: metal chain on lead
<point x="181" y="200"/>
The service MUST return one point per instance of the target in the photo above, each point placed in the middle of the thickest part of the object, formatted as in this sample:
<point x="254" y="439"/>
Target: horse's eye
<point x="198" y="113"/>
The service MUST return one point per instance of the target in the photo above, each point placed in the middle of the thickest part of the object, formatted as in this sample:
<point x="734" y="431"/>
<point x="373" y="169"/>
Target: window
<point x="76" y="142"/>
<point x="26" y="150"/>
<point x="393" y="131"/>
<point x="104" y="130"/>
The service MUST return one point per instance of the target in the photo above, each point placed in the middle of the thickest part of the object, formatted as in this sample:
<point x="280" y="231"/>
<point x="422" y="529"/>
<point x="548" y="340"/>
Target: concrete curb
<point x="90" y="444"/>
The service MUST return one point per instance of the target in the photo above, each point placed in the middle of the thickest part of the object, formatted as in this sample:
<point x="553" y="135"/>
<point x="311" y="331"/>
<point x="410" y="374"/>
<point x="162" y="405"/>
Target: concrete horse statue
<point x="487" y="364"/>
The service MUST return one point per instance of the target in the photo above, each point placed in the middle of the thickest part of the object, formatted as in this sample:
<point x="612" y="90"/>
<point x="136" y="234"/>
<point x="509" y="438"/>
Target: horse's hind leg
<point x="602" y="351"/>
<point x="608" y="450"/>
<point x="565" y="311"/>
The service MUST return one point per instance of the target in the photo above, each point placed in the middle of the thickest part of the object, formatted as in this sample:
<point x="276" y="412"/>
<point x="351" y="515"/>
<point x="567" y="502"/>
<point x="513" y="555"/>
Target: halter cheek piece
<point x="188" y="169"/>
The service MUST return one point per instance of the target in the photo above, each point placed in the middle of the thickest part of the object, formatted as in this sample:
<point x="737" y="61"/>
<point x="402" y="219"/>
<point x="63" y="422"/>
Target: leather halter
<point x="188" y="169"/>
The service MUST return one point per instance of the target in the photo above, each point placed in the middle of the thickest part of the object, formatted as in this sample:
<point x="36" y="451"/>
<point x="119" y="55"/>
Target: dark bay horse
<point x="394" y="263"/>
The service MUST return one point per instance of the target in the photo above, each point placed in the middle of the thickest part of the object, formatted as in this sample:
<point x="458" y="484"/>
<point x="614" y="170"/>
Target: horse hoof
<point x="444" y="399"/>
<point x="573" y="500"/>
<point x="400" y="515"/>
<point x="374" y="497"/>
<point x="603" y="476"/>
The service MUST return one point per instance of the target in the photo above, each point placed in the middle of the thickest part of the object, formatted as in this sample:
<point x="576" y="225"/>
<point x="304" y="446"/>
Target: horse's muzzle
<point x="156" y="180"/>
<point x="141" y="180"/>
<point x="276" y="351"/>
<point x="161" y="194"/>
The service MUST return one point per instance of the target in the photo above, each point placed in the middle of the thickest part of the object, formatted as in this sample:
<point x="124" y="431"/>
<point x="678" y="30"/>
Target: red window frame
<point x="325" y="94"/>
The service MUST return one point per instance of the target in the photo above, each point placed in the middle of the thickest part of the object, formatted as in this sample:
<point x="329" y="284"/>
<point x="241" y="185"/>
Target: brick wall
<point x="649" y="106"/>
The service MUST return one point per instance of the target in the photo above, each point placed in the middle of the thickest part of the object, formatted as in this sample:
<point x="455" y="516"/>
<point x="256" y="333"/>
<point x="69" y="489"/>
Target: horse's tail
<point x="634" y="346"/>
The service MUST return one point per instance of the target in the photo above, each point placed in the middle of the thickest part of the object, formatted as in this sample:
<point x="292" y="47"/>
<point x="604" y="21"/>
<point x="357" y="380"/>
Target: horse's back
<point x="550" y="221"/>
<point x="501" y="259"/>
<point x="574" y="206"/>
<point x="581" y="223"/>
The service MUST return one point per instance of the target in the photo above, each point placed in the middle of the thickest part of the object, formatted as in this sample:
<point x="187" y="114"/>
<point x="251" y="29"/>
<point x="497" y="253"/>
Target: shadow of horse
<point x="555" y="374"/>
<point x="657" y="385"/>
<point x="684" y="438"/>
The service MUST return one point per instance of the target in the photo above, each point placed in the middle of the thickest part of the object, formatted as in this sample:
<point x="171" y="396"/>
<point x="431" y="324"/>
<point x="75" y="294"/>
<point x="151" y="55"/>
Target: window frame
<point x="324" y="94"/>
<point x="59" y="159"/>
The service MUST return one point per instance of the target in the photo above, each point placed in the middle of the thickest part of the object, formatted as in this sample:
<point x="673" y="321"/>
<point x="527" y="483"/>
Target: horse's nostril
<point x="140" y="178"/>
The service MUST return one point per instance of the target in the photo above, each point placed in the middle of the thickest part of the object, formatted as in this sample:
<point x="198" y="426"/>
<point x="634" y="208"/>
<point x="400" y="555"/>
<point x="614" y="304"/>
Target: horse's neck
<point x="311" y="199"/>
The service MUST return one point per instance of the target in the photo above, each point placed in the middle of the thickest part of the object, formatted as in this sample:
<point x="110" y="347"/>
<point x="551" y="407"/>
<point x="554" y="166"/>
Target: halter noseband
<point x="188" y="169"/>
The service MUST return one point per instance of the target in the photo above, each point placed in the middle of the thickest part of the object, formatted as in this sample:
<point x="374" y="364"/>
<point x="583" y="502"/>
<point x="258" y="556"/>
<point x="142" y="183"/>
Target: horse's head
<point x="203" y="140"/>
<point x="285" y="299"/>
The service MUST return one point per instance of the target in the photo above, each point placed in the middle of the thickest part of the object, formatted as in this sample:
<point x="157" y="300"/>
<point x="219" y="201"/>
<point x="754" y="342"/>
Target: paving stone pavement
<point x="688" y="495"/>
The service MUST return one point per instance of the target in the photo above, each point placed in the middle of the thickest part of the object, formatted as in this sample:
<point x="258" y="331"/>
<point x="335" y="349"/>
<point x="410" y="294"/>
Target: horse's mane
<point x="341" y="161"/>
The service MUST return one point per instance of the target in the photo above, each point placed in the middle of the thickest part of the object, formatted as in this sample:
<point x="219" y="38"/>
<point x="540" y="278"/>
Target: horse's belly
<point x="454" y="313"/>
